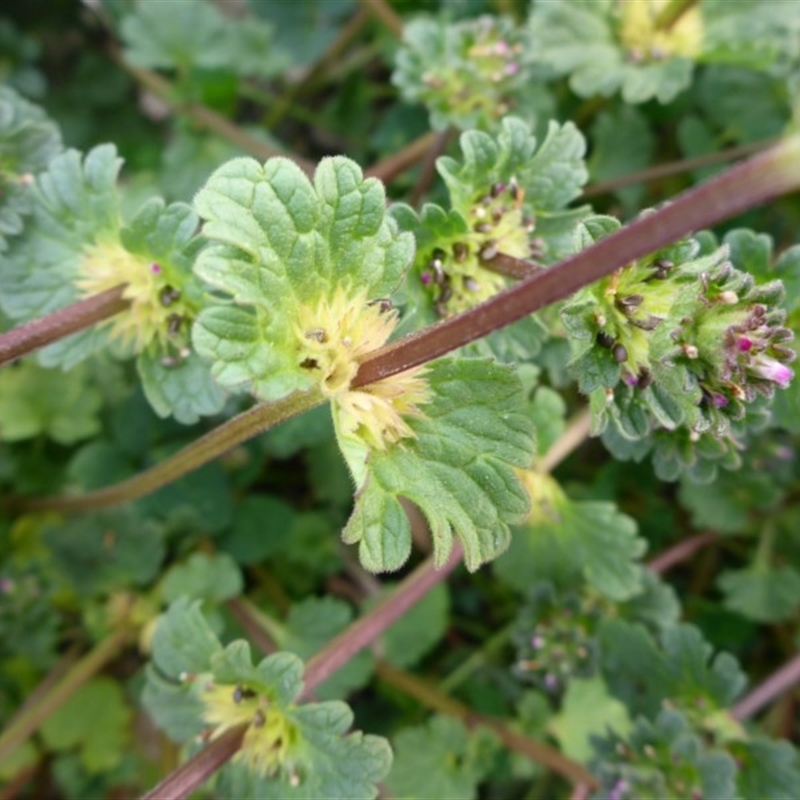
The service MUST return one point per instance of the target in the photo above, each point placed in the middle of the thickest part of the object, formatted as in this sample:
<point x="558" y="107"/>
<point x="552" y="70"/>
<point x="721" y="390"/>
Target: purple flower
<point x="771" y="370"/>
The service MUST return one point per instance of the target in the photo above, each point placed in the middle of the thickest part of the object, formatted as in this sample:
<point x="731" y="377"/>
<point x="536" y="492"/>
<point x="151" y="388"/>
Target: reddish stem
<point x="784" y="679"/>
<point x="681" y="552"/>
<point x="45" y="330"/>
<point x="742" y="187"/>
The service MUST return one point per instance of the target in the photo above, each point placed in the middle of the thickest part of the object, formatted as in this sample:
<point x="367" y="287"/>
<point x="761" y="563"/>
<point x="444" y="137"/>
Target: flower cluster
<point x="158" y="309"/>
<point x="555" y="639"/>
<point x="333" y="337"/>
<point x="269" y="741"/>
<point x="466" y="73"/>
<point x="466" y="270"/>
<point x="678" y="340"/>
<point x="646" y="40"/>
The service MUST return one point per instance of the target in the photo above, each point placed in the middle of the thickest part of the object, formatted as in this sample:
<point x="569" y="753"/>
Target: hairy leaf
<point x="458" y="469"/>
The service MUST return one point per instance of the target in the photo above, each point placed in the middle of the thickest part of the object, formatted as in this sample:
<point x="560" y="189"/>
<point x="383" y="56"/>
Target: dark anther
<point x="169" y="295"/>
<point x="259" y="719"/>
<point x="318" y="335"/>
<point x="645" y="378"/>
<point x="605" y="340"/>
<point x="515" y="191"/>
<point x="488" y="251"/>
<point x="241" y="693"/>
<point x="471" y="284"/>
<point x="309" y="363"/>
<point x="628" y="304"/>
<point x="497" y="189"/>
<point x="384" y="304"/>
<point x="619" y="353"/>
<point x="174" y="322"/>
<point x="460" y="251"/>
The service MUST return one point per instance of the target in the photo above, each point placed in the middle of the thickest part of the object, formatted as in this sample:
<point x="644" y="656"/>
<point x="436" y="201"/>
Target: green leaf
<point x="768" y="769"/>
<point x="280" y="242"/>
<point x="409" y="639"/>
<point x="587" y="710"/>
<point x="183" y="642"/>
<point x="665" y="757"/>
<point x="74" y="206"/>
<point x="458" y="470"/>
<point x="184" y="389"/>
<point x="734" y="502"/>
<point x="262" y="526"/>
<point x="215" y="578"/>
<point x="309" y="626"/>
<point x="106" y="551"/>
<point x="469" y="73"/>
<point x="35" y="401"/>
<point x="762" y="593"/>
<point x="197" y="36"/>
<point x="583" y="39"/>
<point x="622" y="144"/>
<point x="566" y="541"/>
<point x="28" y="140"/>
<point x="94" y="719"/>
<point x="440" y="759"/>
<point x="681" y="669"/>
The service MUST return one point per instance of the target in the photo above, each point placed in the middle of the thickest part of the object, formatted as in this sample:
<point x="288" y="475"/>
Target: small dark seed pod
<point x="619" y="353"/>
<point x="605" y="340"/>
<point x="168" y="295"/>
<point x="259" y="719"/>
<point x="174" y="322"/>
<point x="488" y="251"/>
<point x="497" y="189"/>
<point x="514" y="190"/>
<point x="460" y="251"/>
<point x="645" y="379"/>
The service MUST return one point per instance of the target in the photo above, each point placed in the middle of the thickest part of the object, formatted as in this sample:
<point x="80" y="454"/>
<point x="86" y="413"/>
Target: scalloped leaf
<point x="279" y="241"/>
<point x="761" y="592"/>
<point x="28" y="140"/>
<point x="469" y="73"/>
<point x="581" y="38"/>
<point x="186" y="36"/>
<point x="35" y="401"/>
<point x="440" y="759"/>
<point x="568" y="541"/>
<point x="74" y="205"/>
<point x="458" y="470"/>
<point x="643" y="672"/>
<point x="289" y="750"/>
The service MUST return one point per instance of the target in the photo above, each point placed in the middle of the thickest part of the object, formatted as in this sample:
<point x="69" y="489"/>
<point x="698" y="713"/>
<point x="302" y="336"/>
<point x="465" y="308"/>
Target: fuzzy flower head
<point x="157" y="309"/>
<point x="460" y="275"/>
<point x="333" y="337"/>
<point x="270" y="738"/>
<point x="646" y="40"/>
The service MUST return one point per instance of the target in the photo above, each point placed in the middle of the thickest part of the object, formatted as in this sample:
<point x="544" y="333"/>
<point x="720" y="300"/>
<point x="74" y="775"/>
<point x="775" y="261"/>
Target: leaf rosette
<point x="298" y="266"/>
<point x="78" y="245"/>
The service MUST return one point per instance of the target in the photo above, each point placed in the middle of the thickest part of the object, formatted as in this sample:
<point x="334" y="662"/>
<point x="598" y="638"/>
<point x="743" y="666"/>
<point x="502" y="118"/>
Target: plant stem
<point x="765" y="176"/>
<point x="787" y="677"/>
<point x="672" y="12"/>
<point x="574" y="436"/>
<point x="206" y="117"/>
<point x="318" y="669"/>
<point x="392" y="166"/>
<point x="39" y="332"/>
<point x="681" y="552"/>
<point x="366" y="629"/>
<point x="433" y="698"/>
<point x="30" y="718"/>
<point x="429" y="165"/>
<point x="346" y="37"/>
<point x="218" y="441"/>
<point x="386" y="14"/>
<point x="199" y="768"/>
<point x="253" y="623"/>
<point x="677" y="167"/>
